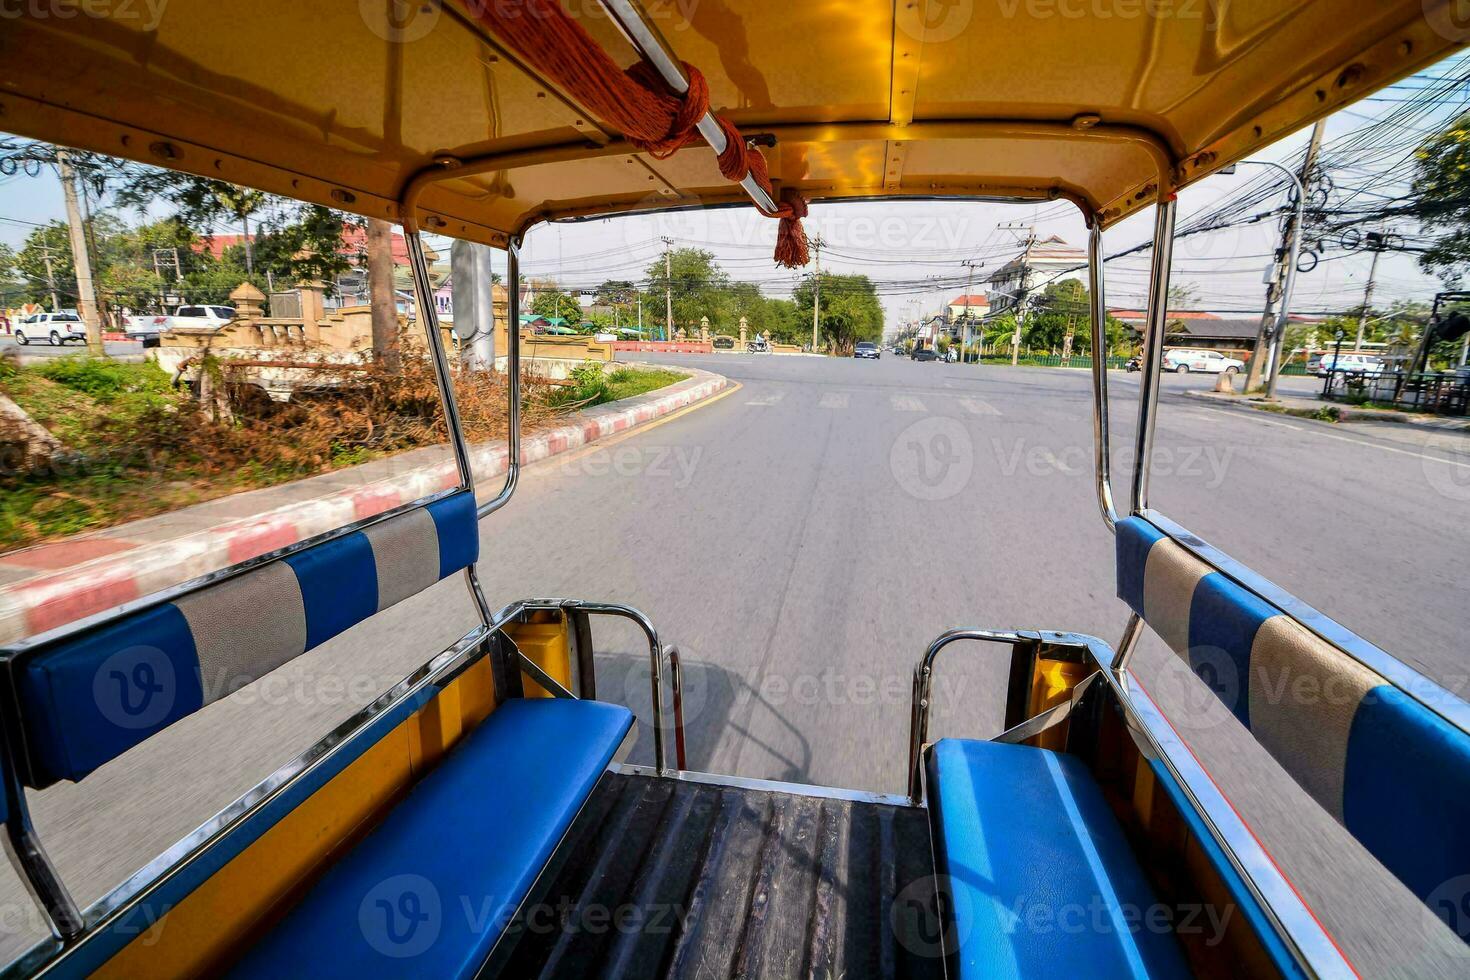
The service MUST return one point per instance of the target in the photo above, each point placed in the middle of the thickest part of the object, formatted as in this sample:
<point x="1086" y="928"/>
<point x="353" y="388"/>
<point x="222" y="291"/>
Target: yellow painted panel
<point x="204" y="932"/>
<point x="546" y="645"/>
<point x="1052" y="684"/>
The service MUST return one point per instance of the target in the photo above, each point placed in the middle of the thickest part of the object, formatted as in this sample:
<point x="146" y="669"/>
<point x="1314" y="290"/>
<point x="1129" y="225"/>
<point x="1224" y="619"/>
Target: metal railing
<point x="1439" y="392"/>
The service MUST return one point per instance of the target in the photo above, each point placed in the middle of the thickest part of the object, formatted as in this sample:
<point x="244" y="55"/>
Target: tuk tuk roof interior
<point x="1024" y="99"/>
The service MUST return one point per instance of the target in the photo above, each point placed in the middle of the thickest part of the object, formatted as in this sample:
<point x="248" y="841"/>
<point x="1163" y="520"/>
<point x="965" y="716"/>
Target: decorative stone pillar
<point x="744" y="326"/>
<point x="313" y="310"/>
<point x="704" y="329"/>
<point x="249" y="302"/>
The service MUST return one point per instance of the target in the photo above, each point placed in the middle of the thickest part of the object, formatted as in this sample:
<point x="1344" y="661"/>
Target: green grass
<point x="590" y="385"/>
<point x="1329" y="413"/>
<point x="109" y="381"/>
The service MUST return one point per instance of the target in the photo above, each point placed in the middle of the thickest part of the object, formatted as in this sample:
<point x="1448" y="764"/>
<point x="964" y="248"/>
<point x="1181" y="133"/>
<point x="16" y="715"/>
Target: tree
<point x="12" y="286"/>
<point x="698" y="288"/>
<point x="850" y="310"/>
<point x="199" y="201"/>
<point x="1441" y="192"/>
<point x="553" y="302"/>
<point x="1067" y="305"/>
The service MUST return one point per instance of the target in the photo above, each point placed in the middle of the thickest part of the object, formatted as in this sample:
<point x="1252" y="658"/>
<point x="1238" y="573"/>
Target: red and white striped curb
<point x="55" y="598"/>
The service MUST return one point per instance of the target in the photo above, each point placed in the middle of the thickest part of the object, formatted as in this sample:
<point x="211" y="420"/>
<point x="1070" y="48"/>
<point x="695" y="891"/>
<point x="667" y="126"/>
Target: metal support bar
<point x="1101" y="434"/>
<point x="1054" y="715"/>
<point x="923" y="680"/>
<point x="1128" y="643"/>
<point x="542" y="677"/>
<point x="676" y="678"/>
<point x="651" y="45"/>
<point x="41" y="878"/>
<point x="1153" y="351"/>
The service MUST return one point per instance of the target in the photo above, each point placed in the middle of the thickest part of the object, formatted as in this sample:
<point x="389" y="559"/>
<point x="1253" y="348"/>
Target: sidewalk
<point x="50" y="585"/>
<point x="1345" y="413"/>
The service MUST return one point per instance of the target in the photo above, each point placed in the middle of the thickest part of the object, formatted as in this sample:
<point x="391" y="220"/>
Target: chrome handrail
<point x="656" y="653"/>
<point x="923" y="680"/>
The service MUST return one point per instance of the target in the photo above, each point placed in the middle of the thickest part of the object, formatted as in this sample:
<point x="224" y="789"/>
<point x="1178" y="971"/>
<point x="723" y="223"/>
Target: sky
<point x="914" y="250"/>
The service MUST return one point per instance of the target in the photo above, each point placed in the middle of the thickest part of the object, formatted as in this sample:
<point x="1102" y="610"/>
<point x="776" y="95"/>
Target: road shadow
<point x="711" y="696"/>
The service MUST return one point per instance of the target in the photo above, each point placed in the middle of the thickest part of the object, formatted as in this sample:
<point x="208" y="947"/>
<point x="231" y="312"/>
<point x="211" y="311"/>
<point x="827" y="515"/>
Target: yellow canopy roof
<point x="1100" y="101"/>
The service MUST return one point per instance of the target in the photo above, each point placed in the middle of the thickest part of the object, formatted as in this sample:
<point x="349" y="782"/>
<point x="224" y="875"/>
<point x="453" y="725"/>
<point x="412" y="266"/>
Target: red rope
<point x="637" y="102"/>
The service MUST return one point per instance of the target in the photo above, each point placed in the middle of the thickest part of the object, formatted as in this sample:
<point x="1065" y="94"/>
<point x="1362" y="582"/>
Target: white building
<point x="1042" y="261"/>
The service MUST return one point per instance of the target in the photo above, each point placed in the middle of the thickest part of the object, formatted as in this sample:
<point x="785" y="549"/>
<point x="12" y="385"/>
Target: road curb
<point x="1345" y="413"/>
<point x="56" y="597"/>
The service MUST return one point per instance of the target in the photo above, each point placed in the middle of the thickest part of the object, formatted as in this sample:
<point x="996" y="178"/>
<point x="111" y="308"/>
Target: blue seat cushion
<point x="427" y="893"/>
<point x="1042" y="881"/>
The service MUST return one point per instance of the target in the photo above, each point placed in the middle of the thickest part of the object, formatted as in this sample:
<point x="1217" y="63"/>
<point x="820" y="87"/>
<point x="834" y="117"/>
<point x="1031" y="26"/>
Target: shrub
<point x="105" y="380"/>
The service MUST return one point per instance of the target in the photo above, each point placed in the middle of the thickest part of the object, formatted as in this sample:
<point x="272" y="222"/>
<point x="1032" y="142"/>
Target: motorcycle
<point x="1135" y="363"/>
<point x="757" y="347"/>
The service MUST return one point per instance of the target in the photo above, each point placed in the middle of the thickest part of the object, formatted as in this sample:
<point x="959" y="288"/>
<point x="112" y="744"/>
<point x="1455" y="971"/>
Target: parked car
<point x="1183" y="360"/>
<point x="924" y="354"/>
<point x="1350" y="363"/>
<point x="55" y="328"/>
<point x="867" y="348"/>
<point x="148" y="327"/>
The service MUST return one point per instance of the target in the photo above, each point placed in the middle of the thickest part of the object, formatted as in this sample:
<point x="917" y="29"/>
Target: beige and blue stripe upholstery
<point x="1394" y="772"/>
<point x="89" y="697"/>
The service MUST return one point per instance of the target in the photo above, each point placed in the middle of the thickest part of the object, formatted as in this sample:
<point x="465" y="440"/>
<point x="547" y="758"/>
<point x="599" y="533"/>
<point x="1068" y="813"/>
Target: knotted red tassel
<point x="637" y="101"/>
<point x="791" y="243"/>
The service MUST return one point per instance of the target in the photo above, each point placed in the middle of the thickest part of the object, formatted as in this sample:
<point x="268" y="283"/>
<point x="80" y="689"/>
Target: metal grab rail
<point x="647" y="42"/>
<point x="923" y="681"/>
<point x="1035" y="725"/>
<point x="656" y="655"/>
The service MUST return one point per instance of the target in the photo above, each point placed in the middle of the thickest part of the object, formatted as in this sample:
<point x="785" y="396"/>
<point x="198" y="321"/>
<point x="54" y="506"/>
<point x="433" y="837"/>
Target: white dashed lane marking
<point x="977" y="407"/>
<point x="765" y="401"/>
<point x="834" y="399"/>
<point x="907" y="403"/>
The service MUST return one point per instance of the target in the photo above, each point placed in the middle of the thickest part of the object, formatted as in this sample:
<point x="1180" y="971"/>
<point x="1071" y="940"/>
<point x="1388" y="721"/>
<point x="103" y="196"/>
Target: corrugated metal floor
<point x="664" y="878"/>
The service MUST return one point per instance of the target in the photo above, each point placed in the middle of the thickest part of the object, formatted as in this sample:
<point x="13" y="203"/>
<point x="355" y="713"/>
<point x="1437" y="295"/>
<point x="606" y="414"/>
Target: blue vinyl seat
<point x="1042" y="881"/>
<point x="429" y="891"/>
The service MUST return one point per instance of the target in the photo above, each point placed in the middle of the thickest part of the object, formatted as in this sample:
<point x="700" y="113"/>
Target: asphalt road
<point x="40" y="348"/>
<point x="804" y="537"/>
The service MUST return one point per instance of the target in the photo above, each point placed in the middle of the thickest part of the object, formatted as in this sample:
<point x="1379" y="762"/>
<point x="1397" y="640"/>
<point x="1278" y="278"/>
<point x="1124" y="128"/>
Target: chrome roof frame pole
<point x="513" y="379"/>
<point x="1153" y="351"/>
<point x="633" y="22"/>
<point x="429" y="317"/>
<point x="1101" y="432"/>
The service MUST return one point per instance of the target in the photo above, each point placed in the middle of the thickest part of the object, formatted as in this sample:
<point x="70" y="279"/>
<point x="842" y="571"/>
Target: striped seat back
<point x="1392" y="771"/>
<point x="88" y="697"/>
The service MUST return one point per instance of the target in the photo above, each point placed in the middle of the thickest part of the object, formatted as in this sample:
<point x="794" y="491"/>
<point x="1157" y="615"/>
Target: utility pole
<point x="668" y="289"/>
<point x="50" y="277"/>
<point x="817" y="295"/>
<point x="1272" y="325"/>
<point x="1020" y="292"/>
<point x="969" y="265"/>
<point x="1021" y="297"/>
<point x="1375" y="242"/>
<point x="86" y="287"/>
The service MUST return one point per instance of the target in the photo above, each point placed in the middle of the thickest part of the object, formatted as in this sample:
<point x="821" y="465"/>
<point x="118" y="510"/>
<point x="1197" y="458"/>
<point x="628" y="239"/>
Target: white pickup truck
<point x="54" y="328"/>
<point x="147" y="327"/>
